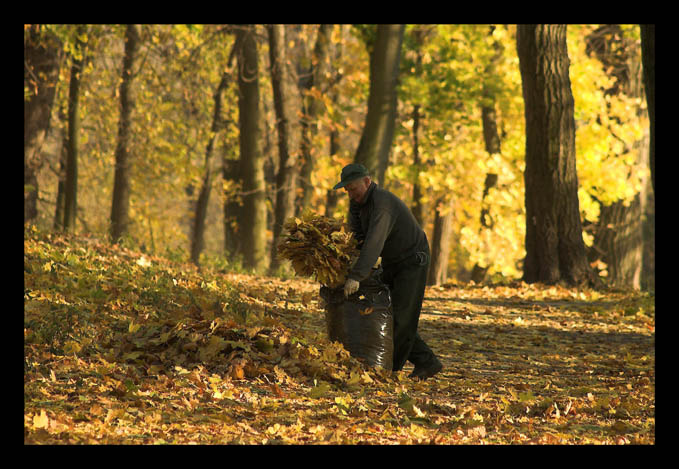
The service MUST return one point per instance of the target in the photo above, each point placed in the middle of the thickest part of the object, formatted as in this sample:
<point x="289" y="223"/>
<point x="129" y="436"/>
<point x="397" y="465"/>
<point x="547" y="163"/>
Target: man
<point x="384" y="226"/>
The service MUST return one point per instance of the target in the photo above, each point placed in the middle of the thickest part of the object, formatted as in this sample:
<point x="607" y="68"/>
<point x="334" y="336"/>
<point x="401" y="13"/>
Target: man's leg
<point x="407" y="293"/>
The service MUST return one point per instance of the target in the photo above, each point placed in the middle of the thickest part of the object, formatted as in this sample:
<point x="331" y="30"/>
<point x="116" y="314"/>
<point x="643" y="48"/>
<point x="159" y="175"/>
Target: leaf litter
<point x="118" y="351"/>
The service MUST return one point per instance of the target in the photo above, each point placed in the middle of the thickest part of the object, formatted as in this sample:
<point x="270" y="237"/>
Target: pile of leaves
<point x="121" y="347"/>
<point x="319" y="247"/>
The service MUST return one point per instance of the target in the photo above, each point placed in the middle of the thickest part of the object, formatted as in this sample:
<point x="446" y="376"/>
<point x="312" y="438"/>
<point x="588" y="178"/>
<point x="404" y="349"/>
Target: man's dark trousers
<point x="407" y="281"/>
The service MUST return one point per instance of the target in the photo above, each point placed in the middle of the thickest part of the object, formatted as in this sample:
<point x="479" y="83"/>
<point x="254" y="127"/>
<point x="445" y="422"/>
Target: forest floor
<point x="126" y="348"/>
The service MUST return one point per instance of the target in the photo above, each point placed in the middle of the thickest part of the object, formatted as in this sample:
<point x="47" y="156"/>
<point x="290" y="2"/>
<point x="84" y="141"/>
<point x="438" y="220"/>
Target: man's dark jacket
<point x="383" y="226"/>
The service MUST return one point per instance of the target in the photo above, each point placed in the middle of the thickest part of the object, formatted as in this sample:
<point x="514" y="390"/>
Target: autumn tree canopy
<point x="294" y="108"/>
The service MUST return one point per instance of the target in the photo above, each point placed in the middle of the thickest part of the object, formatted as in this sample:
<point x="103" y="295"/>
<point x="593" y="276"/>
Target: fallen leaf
<point x="41" y="421"/>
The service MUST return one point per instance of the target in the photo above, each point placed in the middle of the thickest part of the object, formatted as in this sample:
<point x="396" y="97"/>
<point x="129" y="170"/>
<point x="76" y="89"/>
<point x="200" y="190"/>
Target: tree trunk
<point x="71" y="184"/>
<point x="61" y="175"/>
<point x="373" y="148"/>
<point x="333" y="195"/>
<point x="253" y="215"/>
<point x="491" y="138"/>
<point x="121" y="184"/>
<point x="618" y="237"/>
<point x="42" y="59"/>
<point x="285" y="179"/>
<point x="648" y="60"/>
<point x="198" y="232"/>
<point x="555" y="250"/>
<point x="440" y="245"/>
<point x="310" y="77"/>
<point x="418" y="206"/>
<point x="232" y="209"/>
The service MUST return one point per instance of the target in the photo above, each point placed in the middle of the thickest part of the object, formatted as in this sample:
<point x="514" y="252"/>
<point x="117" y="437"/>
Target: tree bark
<point x="618" y="236"/>
<point x="373" y="148"/>
<point x="440" y="246"/>
<point x="42" y="59"/>
<point x="253" y="216"/>
<point x="333" y="195"/>
<point x="491" y="138"/>
<point x="121" y="184"/>
<point x="309" y="78"/>
<point x="555" y="250"/>
<point x="198" y="232"/>
<point x="286" y="177"/>
<point x="648" y="60"/>
<point x="71" y="183"/>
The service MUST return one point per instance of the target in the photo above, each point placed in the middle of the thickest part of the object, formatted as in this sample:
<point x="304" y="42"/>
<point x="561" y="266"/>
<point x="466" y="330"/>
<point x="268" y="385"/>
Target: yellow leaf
<point x="72" y="346"/>
<point x="41" y="421"/>
<point x="133" y="327"/>
<point x="319" y="391"/>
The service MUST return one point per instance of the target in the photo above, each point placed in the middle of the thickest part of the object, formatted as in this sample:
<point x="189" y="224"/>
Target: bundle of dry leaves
<point x="319" y="247"/>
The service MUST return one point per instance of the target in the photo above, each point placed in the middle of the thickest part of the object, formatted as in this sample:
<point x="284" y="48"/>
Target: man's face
<point x="357" y="189"/>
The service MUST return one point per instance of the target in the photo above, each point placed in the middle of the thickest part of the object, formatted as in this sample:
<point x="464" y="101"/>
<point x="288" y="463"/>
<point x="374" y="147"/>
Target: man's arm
<point x="380" y="227"/>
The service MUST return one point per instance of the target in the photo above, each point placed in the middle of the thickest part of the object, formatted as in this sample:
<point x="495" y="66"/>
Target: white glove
<point x="350" y="287"/>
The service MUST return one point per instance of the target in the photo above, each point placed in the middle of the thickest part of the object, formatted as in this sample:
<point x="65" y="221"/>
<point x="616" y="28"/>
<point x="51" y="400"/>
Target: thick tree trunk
<point x="253" y="215"/>
<point x="618" y="238"/>
<point x="42" y="59"/>
<point x="286" y="177"/>
<point x="121" y="185"/>
<point x="373" y="148"/>
<point x="555" y="250"/>
<point x="71" y="183"/>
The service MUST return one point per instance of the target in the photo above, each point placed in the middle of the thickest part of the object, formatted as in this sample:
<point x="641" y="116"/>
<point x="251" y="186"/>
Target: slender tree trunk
<point x="198" y="233"/>
<point x="418" y="206"/>
<point x="232" y="209"/>
<point x="286" y="177"/>
<point x="648" y="59"/>
<point x="310" y="77"/>
<point x="491" y="138"/>
<point x="440" y="252"/>
<point x="419" y="35"/>
<point x="61" y="175"/>
<point x="71" y="184"/>
<point x="373" y="148"/>
<point x="121" y="184"/>
<point x="253" y="215"/>
<point x="42" y="59"/>
<point x="333" y="195"/>
<point x="555" y="250"/>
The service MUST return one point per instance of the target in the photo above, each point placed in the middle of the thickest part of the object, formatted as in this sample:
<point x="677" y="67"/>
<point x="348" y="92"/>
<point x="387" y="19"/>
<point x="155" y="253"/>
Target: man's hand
<point x="350" y="287"/>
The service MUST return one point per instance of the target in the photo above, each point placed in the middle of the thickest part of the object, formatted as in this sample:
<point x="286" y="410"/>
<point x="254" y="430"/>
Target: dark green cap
<point x="351" y="172"/>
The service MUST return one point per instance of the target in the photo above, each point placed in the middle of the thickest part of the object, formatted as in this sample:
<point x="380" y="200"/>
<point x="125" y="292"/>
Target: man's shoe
<point x="423" y="373"/>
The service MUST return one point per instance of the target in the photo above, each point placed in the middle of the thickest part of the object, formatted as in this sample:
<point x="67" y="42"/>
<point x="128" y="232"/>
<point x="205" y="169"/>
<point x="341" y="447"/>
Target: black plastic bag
<point x="363" y="323"/>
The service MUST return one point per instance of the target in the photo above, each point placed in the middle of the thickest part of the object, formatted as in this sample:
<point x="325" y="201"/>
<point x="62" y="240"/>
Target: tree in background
<point x="373" y="149"/>
<point x="648" y="59"/>
<point x="618" y="234"/>
<point x="42" y="59"/>
<point x="198" y="232"/>
<point x="286" y="177"/>
<point x="71" y="183"/>
<point x="555" y="249"/>
<point x="253" y="214"/>
<point x="121" y="188"/>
